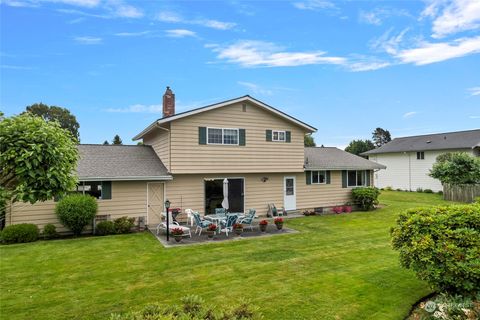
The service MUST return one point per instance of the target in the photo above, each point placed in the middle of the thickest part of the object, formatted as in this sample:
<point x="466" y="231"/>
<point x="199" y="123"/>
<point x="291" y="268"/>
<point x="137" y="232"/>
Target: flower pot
<point x="178" y="238"/>
<point x="263" y="227"/>
<point x="210" y="234"/>
<point x="279" y="225"/>
<point x="238" y="231"/>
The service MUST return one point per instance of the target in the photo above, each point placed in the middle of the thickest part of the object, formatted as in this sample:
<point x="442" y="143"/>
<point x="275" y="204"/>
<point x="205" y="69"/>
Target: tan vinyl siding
<point x="129" y="198"/>
<point x="258" y="155"/>
<point x="187" y="191"/>
<point x="159" y="139"/>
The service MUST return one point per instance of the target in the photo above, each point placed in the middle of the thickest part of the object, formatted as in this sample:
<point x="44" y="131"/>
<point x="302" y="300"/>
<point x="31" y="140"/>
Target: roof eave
<point x="127" y="178"/>
<point x="346" y="168"/>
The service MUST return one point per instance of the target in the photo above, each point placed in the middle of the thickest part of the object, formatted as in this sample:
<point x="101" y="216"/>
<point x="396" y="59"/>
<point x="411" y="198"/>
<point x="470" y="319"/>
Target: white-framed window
<point x="222" y="136"/>
<point x="420" y="155"/>
<point x="92" y="188"/>
<point x="278" y="136"/>
<point x="319" y="177"/>
<point x="356" y="178"/>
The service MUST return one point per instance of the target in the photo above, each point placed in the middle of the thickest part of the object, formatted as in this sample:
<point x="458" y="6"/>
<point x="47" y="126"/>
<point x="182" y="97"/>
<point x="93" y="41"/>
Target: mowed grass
<point x="336" y="267"/>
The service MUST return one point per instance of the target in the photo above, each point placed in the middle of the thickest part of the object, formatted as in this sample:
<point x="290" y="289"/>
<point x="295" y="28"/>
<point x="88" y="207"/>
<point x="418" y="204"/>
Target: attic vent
<point x="244" y="107"/>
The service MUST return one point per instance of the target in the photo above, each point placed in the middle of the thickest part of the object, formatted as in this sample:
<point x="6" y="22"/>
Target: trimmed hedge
<point x="366" y="197"/>
<point x="123" y="224"/>
<point x="104" y="228"/>
<point x="441" y="245"/>
<point x="76" y="211"/>
<point x="49" y="231"/>
<point x="19" y="233"/>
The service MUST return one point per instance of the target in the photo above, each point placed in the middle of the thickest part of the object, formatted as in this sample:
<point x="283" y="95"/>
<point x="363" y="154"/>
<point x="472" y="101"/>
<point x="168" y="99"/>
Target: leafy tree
<point x="456" y="168"/>
<point x="105" y="142"/>
<point x="380" y="137"/>
<point x="53" y="113"/>
<point x="359" y="146"/>
<point x="308" y="141"/>
<point x="37" y="159"/>
<point x="117" y="140"/>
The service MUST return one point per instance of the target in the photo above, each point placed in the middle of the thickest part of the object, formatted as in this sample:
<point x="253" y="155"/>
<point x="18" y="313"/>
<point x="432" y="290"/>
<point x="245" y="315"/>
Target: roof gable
<point x="246" y="98"/>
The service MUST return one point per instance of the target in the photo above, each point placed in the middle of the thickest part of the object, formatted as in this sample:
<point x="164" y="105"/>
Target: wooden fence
<point x="461" y="193"/>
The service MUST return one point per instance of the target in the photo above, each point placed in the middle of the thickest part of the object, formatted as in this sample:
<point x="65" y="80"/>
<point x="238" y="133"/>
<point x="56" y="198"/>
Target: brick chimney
<point x="168" y="103"/>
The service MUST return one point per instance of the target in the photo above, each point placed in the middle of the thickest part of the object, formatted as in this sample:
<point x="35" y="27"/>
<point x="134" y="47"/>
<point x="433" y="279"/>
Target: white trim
<point x="132" y="178"/>
<point x="222" y="104"/>
<point x="278" y="134"/>
<point x="325" y="175"/>
<point x="223" y="135"/>
<point x="222" y="178"/>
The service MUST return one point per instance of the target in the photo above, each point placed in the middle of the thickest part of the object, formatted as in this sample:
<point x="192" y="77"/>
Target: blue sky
<point x="345" y="67"/>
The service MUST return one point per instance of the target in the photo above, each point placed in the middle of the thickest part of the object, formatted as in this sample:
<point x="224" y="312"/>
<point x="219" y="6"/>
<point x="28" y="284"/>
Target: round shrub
<point x="123" y="224"/>
<point x="50" y="231"/>
<point x="105" y="227"/>
<point x="441" y="245"/>
<point x="19" y="233"/>
<point x="366" y="198"/>
<point x="76" y="211"/>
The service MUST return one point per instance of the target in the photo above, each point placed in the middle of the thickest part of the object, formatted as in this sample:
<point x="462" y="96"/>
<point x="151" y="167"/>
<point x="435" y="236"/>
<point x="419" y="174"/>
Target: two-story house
<point x="187" y="156"/>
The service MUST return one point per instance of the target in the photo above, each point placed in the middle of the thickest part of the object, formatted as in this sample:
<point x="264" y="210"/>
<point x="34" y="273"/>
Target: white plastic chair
<point x="190" y="217"/>
<point x="172" y="225"/>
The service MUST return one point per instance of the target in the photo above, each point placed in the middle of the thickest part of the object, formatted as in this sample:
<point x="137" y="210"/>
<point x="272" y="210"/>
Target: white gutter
<point x="128" y="178"/>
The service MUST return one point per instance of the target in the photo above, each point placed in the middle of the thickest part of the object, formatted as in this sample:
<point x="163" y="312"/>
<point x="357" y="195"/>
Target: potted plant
<point x="238" y="228"/>
<point x="177" y="234"/>
<point x="263" y="225"/>
<point x="211" y="230"/>
<point x="347" y="207"/>
<point x="279" y="223"/>
<point x="337" y="209"/>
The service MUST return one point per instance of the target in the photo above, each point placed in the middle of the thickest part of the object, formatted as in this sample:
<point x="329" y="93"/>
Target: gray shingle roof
<point x="119" y="162"/>
<point x="335" y="159"/>
<point x="439" y="141"/>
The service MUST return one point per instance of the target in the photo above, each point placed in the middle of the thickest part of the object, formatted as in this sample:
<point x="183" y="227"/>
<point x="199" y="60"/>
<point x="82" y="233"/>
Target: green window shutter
<point x="327" y="173"/>
<point x="106" y="190"/>
<point x="308" y="176"/>
<point x="241" y="137"/>
<point x="269" y="135"/>
<point x="288" y="136"/>
<point x="367" y="174"/>
<point x="344" y="178"/>
<point x="202" y="135"/>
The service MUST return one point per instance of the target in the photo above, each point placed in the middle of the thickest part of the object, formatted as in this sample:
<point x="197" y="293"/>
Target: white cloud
<point x="358" y="66"/>
<point x="132" y="34"/>
<point x="474" y="117"/>
<point x="249" y="53"/>
<point x="172" y="17"/>
<point x="180" y="33"/>
<point x="453" y="16"/>
<point x="409" y="114"/>
<point x="378" y="15"/>
<point x="429" y="52"/>
<point x="14" y="67"/>
<point x="88" y="40"/>
<point x="255" y="88"/>
<point x="138" y="108"/>
<point x="314" y="5"/>
<point x="475" y="91"/>
<point x="35" y="3"/>
<point x="389" y="43"/>
<point x="126" y="11"/>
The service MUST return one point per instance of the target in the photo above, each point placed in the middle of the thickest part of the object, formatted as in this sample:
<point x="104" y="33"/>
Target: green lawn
<point x="337" y="267"/>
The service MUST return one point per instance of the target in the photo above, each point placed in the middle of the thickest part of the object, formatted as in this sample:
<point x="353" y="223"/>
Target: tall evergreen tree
<point x="380" y="137"/>
<point x="117" y="140"/>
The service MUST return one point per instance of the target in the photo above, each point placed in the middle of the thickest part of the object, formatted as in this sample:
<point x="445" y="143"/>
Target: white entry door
<point x="289" y="193"/>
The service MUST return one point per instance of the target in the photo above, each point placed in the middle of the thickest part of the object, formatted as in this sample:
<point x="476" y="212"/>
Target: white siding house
<point x="409" y="159"/>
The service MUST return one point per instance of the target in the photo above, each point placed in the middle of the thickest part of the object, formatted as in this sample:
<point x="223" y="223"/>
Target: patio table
<point x="216" y="218"/>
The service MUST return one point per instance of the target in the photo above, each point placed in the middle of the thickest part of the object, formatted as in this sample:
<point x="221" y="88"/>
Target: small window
<point x="356" y="178"/>
<point x="278" y="136"/>
<point x="420" y="155"/>
<point x="93" y="188"/>
<point x="222" y="136"/>
<point x="319" y="177"/>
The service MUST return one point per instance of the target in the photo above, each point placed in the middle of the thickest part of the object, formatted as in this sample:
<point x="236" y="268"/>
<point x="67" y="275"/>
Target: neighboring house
<point x="186" y="157"/>
<point x="410" y="159"/>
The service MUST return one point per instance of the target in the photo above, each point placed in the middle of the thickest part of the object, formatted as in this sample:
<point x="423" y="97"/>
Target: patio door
<point x="214" y="194"/>
<point x="155" y="202"/>
<point x="289" y="193"/>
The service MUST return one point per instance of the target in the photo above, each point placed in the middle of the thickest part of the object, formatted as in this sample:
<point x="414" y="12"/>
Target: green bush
<point x="366" y="198"/>
<point x="76" y="211"/>
<point x="428" y="191"/>
<point x="194" y="308"/>
<point x="441" y="245"/>
<point x="49" y="231"/>
<point x="419" y="190"/>
<point x="19" y="233"/>
<point x="105" y="227"/>
<point x="388" y="188"/>
<point x="123" y="224"/>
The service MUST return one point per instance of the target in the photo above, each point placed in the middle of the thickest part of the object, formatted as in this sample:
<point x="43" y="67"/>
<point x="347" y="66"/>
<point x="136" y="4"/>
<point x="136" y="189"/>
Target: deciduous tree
<point x="53" y="113"/>
<point x="359" y="146"/>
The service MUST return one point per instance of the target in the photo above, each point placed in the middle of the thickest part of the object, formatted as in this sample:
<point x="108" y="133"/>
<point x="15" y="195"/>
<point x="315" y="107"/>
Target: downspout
<point x="409" y="171"/>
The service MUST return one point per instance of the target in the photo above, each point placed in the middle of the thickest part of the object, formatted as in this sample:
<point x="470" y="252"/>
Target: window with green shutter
<point x="106" y="190"/>
<point x="328" y="177"/>
<point x="268" y="135"/>
<point x="344" y="178"/>
<point x="241" y="137"/>
<point x="202" y="135"/>
<point x="308" y="177"/>
<point x="288" y="136"/>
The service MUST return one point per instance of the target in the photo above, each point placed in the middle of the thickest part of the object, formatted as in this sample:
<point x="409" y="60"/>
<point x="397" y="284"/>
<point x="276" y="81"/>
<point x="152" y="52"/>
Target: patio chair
<point x="273" y="211"/>
<point x="227" y="226"/>
<point x="190" y="217"/>
<point x="248" y="219"/>
<point x="200" y="223"/>
<point x="172" y="225"/>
